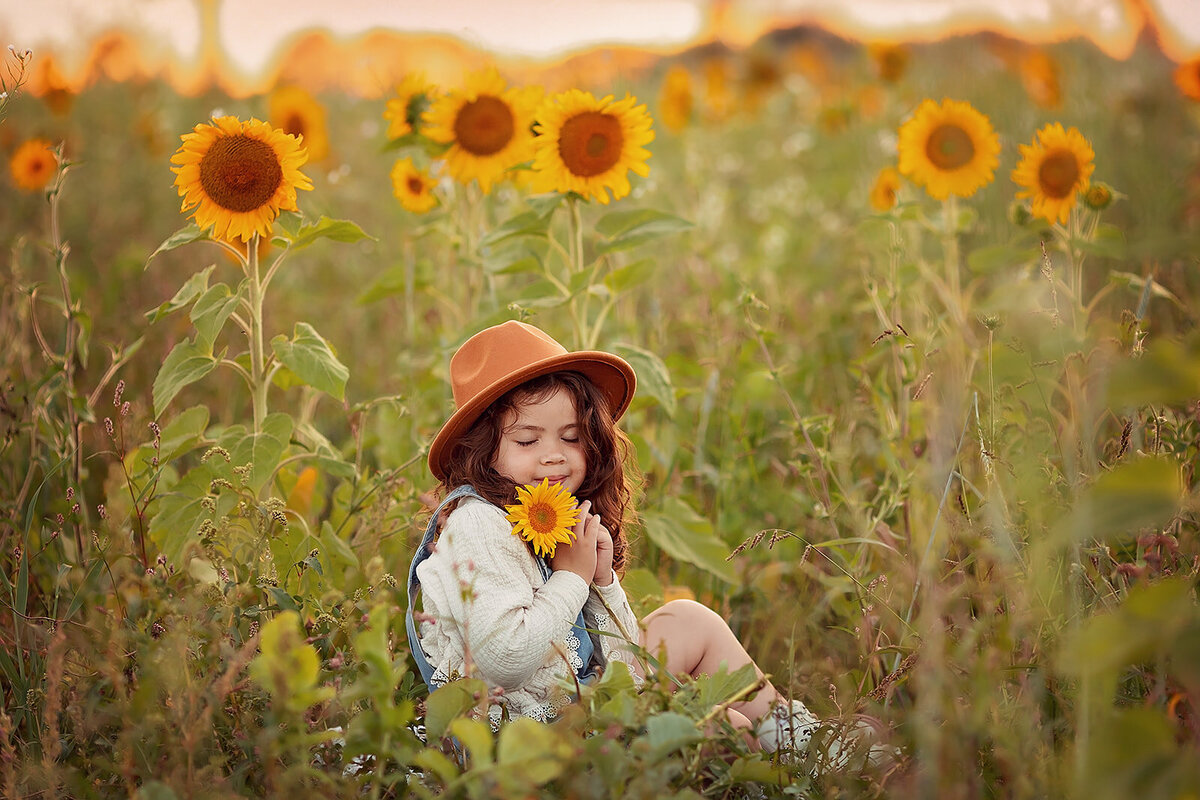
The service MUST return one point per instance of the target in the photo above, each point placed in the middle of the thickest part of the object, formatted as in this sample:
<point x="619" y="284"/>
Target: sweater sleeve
<point x="508" y="624"/>
<point x="608" y="608"/>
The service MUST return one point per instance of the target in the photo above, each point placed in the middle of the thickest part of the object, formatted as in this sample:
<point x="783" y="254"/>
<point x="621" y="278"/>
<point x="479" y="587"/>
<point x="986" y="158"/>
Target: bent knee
<point x="684" y="610"/>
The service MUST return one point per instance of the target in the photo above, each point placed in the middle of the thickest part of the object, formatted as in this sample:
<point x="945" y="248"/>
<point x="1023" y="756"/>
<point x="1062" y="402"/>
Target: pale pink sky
<point x="251" y="31"/>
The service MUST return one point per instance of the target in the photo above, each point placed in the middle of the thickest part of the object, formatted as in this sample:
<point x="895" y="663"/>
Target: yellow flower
<point x="33" y="165"/>
<point x="587" y="146"/>
<point x="889" y="59"/>
<point x="297" y="113"/>
<point x="675" y="98"/>
<point x="949" y="148"/>
<point x="238" y="176"/>
<point x="403" y="112"/>
<point x="1053" y="169"/>
<point x="1187" y="78"/>
<point x="544" y="517"/>
<point x="412" y="186"/>
<point x="487" y="125"/>
<point x="883" y="192"/>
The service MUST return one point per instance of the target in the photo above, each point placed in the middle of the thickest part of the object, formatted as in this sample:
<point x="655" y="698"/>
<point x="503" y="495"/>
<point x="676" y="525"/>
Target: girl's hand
<point x="604" y="554"/>
<point x="580" y="556"/>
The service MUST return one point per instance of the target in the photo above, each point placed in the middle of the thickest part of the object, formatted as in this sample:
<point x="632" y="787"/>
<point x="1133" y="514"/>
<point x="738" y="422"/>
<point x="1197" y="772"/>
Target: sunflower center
<point x="1058" y="174"/>
<point x="949" y="147"/>
<point x="240" y="173"/>
<point x="415" y="185"/>
<point x="590" y="143"/>
<point x="542" y="518"/>
<point x="484" y="126"/>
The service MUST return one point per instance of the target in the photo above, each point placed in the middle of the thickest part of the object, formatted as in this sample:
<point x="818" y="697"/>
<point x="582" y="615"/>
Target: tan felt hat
<point x="503" y="357"/>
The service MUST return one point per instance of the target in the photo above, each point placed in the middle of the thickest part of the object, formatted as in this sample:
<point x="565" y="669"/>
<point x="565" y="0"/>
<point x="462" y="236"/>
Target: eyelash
<point x="531" y="442"/>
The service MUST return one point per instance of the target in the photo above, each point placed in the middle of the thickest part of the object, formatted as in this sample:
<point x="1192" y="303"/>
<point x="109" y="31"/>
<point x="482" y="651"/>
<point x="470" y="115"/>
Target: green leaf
<point x="630" y="275"/>
<point x="669" y="732"/>
<point x="514" y="258"/>
<point x="182" y="433"/>
<point x="1109" y="242"/>
<point x="185" y="364"/>
<point x="193" y="288"/>
<point x="451" y="701"/>
<point x="999" y="257"/>
<point x="185" y="235"/>
<point x="476" y="737"/>
<point x="335" y="548"/>
<point x="653" y="376"/>
<point x="261" y="450"/>
<point x="626" y="229"/>
<point x="527" y="223"/>
<point x="533" y="750"/>
<point x="1167" y="373"/>
<point x="286" y="666"/>
<point x="311" y="358"/>
<point x="1139" y="494"/>
<point x="340" y="230"/>
<point x="1146" y="625"/>
<point x="684" y="535"/>
<point x="211" y="311"/>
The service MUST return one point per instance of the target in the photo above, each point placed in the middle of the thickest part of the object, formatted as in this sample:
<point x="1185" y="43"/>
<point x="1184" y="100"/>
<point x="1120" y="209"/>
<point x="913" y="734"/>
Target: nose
<point x="554" y="456"/>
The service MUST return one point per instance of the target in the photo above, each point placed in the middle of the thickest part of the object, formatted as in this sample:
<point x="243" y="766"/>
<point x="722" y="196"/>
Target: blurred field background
<point x="966" y="506"/>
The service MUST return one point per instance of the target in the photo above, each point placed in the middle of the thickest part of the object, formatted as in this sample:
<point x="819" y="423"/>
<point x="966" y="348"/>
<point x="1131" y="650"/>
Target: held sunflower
<point x="544" y="516"/>
<point x="297" y="113"/>
<point x="588" y="146"/>
<point x="1054" y="169"/>
<point x="412" y="98"/>
<point x="413" y="186"/>
<point x="948" y="148"/>
<point x="487" y="125"/>
<point x="33" y="165"/>
<point x="237" y="176"/>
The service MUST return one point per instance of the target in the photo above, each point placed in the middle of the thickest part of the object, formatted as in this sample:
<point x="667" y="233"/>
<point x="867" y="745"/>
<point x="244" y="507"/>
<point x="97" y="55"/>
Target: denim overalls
<point x="579" y="644"/>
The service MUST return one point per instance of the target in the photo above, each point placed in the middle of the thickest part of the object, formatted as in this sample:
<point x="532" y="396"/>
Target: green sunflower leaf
<point x="313" y="361"/>
<point x="195" y="286"/>
<point x="626" y="229"/>
<point x="211" y="311"/>
<point x="185" y="235"/>
<point x="681" y="533"/>
<point x="340" y="230"/>
<point x="653" y="376"/>
<point x="187" y="363"/>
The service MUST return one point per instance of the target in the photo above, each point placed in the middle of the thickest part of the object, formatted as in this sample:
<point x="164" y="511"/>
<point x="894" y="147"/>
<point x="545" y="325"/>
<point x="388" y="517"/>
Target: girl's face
<point x="541" y="440"/>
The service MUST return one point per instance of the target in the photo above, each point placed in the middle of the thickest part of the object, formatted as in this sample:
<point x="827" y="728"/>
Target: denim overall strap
<point x="424" y="550"/>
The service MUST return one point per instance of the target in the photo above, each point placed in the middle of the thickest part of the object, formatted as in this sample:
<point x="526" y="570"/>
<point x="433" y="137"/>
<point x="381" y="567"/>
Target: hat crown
<point x="495" y="353"/>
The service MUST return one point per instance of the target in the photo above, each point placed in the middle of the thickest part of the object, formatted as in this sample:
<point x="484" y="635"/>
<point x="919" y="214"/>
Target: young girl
<point x="527" y="411"/>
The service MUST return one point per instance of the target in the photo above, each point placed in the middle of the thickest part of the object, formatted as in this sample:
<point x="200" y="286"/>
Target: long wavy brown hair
<point x="608" y="482"/>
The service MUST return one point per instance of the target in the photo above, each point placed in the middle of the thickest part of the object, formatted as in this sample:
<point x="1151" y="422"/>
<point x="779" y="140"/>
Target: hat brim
<point x="612" y="375"/>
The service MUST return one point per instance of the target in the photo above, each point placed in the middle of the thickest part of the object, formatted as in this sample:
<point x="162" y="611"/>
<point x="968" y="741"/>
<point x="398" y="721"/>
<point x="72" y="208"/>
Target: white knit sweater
<point x="486" y="595"/>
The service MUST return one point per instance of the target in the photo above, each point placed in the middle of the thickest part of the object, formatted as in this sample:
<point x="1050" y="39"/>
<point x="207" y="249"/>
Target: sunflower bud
<point x="1098" y="196"/>
<point x="1019" y="214"/>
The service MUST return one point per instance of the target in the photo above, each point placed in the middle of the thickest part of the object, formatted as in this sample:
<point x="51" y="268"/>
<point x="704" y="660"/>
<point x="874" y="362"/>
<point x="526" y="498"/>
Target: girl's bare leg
<point x="698" y="641"/>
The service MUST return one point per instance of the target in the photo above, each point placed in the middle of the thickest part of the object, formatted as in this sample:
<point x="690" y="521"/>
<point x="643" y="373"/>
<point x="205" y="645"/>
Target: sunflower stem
<point x="574" y="267"/>
<point x="258" y="382"/>
<point x="950" y="251"/>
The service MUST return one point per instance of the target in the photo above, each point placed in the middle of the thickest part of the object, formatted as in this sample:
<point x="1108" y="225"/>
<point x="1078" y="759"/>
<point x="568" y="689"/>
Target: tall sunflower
<point x="403" y="111"/>
<point x="413" y="186"/>
<point x="33" y="165"/>
<point x="544" y="516"/>
<point x="487" y="125"/>
<point x="883" y="191"/>
<point x="237" y="176"/>
<point x="675" y="98"/>
<point x="297" y="113"/>
<point x="588" y="146"/>
<point x="1187" y="78"/>
<point x="949" y="148"/>
<point x="1054" y="168"/>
